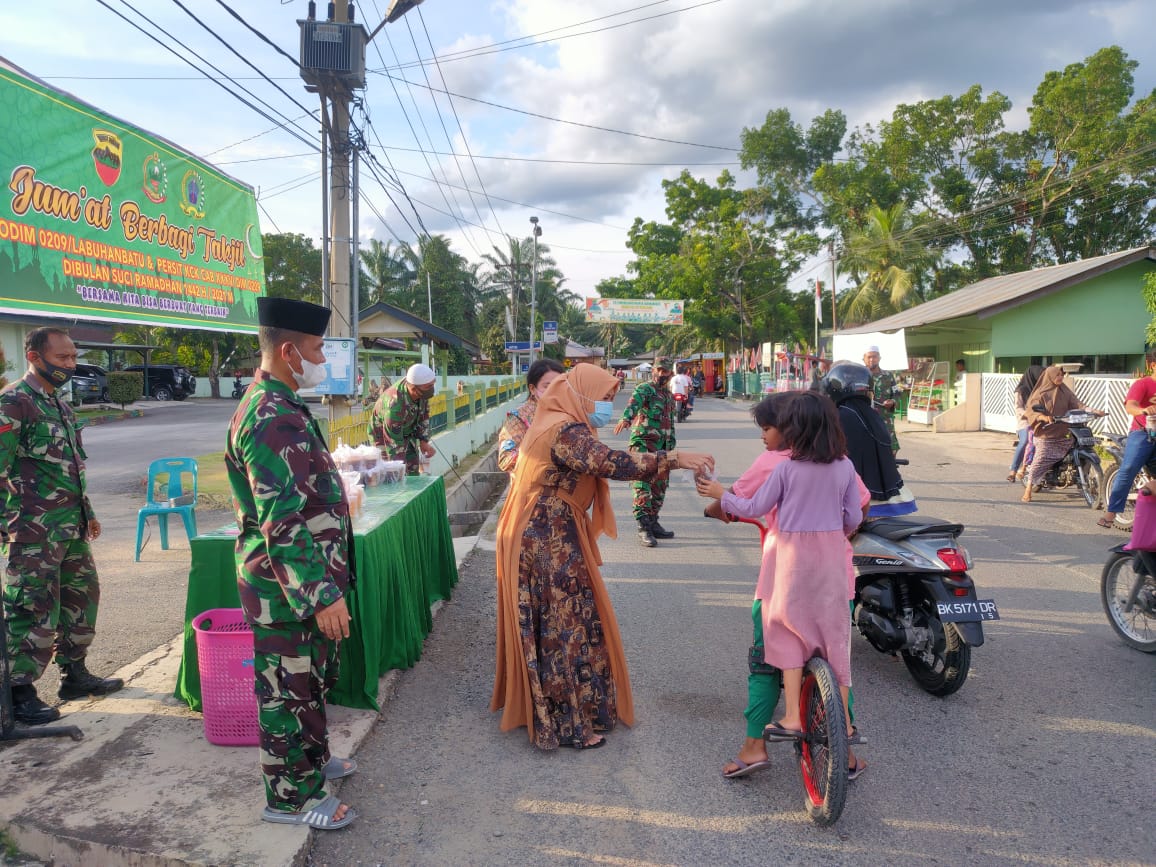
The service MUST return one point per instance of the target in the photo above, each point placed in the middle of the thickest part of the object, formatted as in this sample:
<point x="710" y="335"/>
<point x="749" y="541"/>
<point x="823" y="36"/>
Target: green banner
<point x="103" y="221"/>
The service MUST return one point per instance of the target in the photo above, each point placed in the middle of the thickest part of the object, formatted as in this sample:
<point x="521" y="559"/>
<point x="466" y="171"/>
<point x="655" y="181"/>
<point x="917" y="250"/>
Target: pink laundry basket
<point x="225" y="663"/>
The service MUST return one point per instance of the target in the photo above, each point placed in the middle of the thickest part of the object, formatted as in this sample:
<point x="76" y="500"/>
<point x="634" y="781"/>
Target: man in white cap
<point x="883" y="390"/>
<point x="399" y="423"/>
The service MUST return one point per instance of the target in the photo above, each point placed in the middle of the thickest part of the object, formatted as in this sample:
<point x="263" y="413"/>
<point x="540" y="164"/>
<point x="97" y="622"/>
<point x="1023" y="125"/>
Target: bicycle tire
<point x="823" y="749"/>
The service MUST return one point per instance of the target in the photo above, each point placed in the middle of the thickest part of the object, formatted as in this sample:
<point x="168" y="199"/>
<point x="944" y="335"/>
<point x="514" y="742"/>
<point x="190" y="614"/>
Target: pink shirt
<point x="748" y="484"/>
<point x="1142" y="391"/>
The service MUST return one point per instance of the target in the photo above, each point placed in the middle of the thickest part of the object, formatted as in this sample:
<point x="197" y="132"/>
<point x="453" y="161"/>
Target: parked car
<point x="89" y="383"/>
<point x="166" y="381"/>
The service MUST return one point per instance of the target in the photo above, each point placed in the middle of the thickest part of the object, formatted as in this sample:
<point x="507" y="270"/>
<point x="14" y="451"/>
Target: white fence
<point x="1097" y="392"/>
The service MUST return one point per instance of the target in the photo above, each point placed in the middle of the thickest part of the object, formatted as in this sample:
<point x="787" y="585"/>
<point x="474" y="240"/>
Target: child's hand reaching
<point x="709" y="488"/>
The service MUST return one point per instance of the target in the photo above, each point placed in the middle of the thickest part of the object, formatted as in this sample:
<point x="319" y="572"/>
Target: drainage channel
<point x="472" y="499"/>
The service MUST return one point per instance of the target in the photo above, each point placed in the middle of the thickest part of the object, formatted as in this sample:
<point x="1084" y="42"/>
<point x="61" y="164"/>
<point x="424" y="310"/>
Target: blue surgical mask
<point x="603" y="411"/>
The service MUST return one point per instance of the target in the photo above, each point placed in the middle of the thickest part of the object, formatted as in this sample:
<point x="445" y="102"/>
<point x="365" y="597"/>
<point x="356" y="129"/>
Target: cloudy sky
<point x="682" y="77"/>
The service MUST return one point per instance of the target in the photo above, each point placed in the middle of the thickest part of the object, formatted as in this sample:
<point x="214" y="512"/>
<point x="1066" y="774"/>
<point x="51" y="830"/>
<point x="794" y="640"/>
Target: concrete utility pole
<point x="536" y="231"/>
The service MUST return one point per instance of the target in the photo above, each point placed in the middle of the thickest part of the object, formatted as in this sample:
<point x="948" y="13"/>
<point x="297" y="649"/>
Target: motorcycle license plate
<point x="967" y="611"/>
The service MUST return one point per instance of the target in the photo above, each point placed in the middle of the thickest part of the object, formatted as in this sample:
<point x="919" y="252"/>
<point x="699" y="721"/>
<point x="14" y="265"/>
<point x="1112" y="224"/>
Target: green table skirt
<point x="405" y="563"/>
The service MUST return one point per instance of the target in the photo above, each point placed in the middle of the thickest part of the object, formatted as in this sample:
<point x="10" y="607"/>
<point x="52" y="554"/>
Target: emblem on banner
<point x="106" y="155"/>
<point x="156" y="178"/>
<point x="193" y="194"/>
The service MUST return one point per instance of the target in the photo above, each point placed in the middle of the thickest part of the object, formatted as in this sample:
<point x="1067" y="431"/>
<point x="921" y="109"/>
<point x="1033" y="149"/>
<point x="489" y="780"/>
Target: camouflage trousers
<point x="648" y="496"/>
<point x="51" y="593"/>
<point x="295" y="668"/>
<point x="408" y="452"/>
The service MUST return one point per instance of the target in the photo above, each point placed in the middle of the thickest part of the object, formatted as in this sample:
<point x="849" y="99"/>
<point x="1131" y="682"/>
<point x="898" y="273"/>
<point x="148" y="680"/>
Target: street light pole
<point x="536" y="231"/>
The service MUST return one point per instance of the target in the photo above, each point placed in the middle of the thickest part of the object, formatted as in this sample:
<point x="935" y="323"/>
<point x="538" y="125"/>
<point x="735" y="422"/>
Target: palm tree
<point x="388" y="269"/>
<point x="887" y="258"/>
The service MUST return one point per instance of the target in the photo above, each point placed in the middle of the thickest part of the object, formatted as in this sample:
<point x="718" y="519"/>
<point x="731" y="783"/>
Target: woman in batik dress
<point x="561" y="671"/>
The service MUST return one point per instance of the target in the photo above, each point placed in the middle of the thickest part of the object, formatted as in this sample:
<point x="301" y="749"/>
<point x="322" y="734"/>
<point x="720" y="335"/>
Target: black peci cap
<point x="293" y="315"/>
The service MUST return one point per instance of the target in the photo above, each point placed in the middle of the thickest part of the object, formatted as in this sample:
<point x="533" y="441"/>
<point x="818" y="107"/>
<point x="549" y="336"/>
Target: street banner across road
<point x="634" y="311"/>
<point x="102" y="221"/>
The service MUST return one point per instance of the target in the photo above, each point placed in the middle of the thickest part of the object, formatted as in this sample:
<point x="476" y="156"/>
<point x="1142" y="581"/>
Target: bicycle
<point x="823" y="749"/>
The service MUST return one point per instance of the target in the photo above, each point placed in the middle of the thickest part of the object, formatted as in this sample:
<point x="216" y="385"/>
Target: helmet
<point x="846" y="379"/>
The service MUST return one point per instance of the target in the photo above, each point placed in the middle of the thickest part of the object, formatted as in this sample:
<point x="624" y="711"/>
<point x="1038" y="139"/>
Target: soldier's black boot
<point x="659" y="531"/>
<point x="645" y="537"/>
<point x="27" y="707"/>
<point x="79" y="682"/>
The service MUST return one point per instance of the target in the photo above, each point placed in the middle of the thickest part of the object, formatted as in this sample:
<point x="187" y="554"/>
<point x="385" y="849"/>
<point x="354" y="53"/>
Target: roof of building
<point x="997" y="294"/>
<point x="386" y="320"/>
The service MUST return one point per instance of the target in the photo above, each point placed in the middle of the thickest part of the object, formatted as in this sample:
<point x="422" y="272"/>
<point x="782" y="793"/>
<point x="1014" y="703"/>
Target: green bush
<point x="125" y="387"/>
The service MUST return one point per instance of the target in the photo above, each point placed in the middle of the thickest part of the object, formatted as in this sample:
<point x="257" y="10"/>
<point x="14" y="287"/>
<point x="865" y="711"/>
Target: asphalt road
<point x="1045" y="756"/>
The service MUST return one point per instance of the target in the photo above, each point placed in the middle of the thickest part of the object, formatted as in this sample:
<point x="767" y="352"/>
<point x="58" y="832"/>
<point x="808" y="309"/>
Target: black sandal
<point x="579" y="745"/>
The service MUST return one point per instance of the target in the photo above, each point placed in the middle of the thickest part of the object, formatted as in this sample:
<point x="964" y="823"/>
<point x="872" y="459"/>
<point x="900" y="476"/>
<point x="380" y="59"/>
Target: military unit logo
<point x="193" y="194"/>
<point x="106" y="155"/>
<point x="156" y="178"/>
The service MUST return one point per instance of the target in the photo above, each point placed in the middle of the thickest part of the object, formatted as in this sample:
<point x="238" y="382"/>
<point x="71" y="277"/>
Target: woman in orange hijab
<point x="561" y="671"/>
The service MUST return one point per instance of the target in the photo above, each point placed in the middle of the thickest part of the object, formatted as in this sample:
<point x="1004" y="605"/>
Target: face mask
<point x="662" y="378"/>
<point x="55" y="375"/>
<point x="311" y="374"/>
<point x="603" y="411"/>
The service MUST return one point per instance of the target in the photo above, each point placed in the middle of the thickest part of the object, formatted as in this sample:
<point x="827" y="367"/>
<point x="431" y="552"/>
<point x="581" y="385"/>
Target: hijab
<point x="570" y="398"/>
<point x="1028" y="382"/>
<point x="869" y="447"/>
<point x="1055" y="397"/>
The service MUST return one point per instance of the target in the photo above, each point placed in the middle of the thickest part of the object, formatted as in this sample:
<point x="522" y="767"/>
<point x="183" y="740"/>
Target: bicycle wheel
<point x="823" y="749"/>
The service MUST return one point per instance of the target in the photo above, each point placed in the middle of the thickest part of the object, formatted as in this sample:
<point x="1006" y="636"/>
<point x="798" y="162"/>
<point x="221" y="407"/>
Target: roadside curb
<point x="106" y="419"/>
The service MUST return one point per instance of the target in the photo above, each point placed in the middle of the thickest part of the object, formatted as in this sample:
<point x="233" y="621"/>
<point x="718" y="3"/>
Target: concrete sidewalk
<point x="145" y="788"/>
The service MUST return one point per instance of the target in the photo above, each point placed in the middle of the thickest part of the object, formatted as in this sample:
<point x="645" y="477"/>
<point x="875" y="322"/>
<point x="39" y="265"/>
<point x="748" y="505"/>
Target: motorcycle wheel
<point x="1093" y="483"/>
<point x="951" y="664"/>
<point x="1125" y="518"/>
<point x="823" y="750"/>
<point x="1137" y="628"/>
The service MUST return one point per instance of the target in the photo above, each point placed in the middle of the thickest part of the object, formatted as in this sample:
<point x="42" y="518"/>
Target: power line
<point x="260" y="35"/>
<point x="483" y="51"/>
<point x="241" y="57"/>
<point x="461" y="130"/>
<point x="184" y="59"/>
<point x="476" y="156"/>
<point x="562" y="120"/>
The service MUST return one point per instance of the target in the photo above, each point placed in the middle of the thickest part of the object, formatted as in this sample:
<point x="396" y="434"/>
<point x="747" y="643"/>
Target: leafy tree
<point x="292" y="267"/>
<point x="886" y="257"/>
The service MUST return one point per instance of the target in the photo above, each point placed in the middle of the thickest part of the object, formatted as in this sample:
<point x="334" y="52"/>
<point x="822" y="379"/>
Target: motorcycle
<point x="682" y="407"/>
<point x="1114" y="444"/>
<point x="1080" y="467"/>
<point x="238" y="388"/>
<point x="1128" y="582"/>
<point x="913" y="596"/>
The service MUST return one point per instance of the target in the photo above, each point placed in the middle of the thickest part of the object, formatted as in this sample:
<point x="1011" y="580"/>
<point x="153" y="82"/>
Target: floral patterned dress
<point x="561" y="671"/>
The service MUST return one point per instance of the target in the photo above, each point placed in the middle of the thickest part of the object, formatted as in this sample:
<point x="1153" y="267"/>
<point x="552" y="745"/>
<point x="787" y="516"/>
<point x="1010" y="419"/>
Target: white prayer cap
<point x="419" y="374"/>
<point x="874" y="349"/>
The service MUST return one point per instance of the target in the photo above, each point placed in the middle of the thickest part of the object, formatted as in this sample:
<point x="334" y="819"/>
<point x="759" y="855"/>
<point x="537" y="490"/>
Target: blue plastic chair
<point x="178" y="499"/>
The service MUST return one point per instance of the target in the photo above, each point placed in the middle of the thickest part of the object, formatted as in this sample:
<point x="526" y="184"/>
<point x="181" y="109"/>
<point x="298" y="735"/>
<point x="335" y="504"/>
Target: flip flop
<point x="1108" y="525"/>
<point x="320" y="817"/>
<point x="856" y="771"/>
<point x="338" y="769"/>
<point x="775" y="732"/>
<point x="856" y="739"/>
<point x="745" y="770"/>
<point x="579" y="745"/>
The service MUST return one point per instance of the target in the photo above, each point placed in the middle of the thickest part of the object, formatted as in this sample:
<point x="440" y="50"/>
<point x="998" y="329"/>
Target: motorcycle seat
<point x="896" y="529"/>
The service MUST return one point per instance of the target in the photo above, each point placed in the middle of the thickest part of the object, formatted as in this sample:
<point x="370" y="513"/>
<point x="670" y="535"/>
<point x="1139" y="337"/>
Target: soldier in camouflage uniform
<point x="883" y="392"/>
<point x="51" y="589"/>
<point x="294" y="564"/>
<point x="650" y="414"/>
<point x="399" y="423"/>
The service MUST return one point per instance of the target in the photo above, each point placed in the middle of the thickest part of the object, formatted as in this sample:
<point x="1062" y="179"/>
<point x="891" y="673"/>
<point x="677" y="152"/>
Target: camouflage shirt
<point x="883" y="387"/>
<point x="398" y="421"/>
<point x="650" y="412"/>
<point x="295" y="547"/>
<point x="42" y="496"/>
